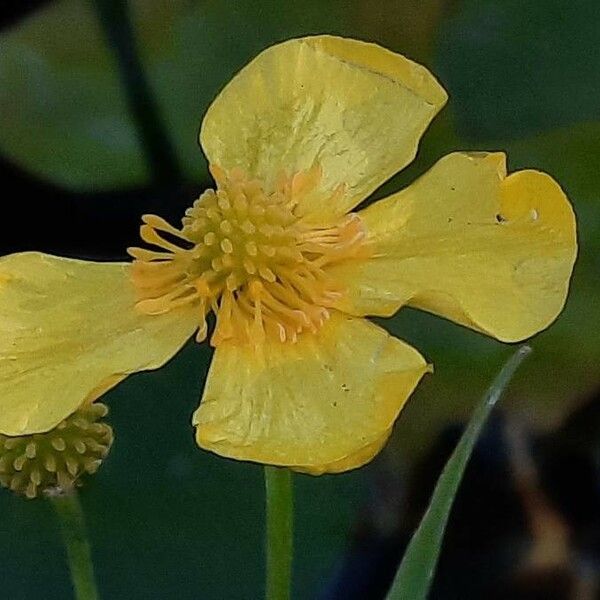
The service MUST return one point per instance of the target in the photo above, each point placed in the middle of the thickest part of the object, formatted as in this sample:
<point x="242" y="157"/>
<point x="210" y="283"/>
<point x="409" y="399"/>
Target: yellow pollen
<point x="244" y="254"/>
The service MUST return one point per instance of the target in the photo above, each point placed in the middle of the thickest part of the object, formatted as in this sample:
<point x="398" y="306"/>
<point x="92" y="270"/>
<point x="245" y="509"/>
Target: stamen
<point x="267" y="250"/>
<point x="246" y="255"/>
<point x="226" y="246"/>
<point x="226" y="227"/>
<point x="249" y="266"/>
<point x="248" y="227"/>
<point x="146" y="255"/>
<point x="210" y="239"/>
<point x="160" y="224"/>
<point x="267" y="274"/>
<point x="150" y="236"/>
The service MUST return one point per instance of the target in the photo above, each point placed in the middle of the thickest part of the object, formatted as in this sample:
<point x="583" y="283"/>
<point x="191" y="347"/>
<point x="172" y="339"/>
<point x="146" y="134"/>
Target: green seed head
<point x="52" y="463"/>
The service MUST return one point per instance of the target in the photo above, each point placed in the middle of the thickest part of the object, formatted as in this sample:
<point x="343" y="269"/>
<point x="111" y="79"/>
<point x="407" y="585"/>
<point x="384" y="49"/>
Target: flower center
<point x="244" y="254"/>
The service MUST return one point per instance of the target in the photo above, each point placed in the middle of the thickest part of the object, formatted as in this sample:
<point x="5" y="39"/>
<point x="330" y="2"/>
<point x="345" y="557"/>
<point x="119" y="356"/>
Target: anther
<point x="226" y="227"/>
<point x="19" y="462"/>
<point x="59" y="444"/>
<point x="214" y="215"/>
<point x="228" y="261"/>
<point x="30" y="450"/>
<point x="251" y="248"/>
<point x="248" y="227"/>
<point x="226" y="246"/>
<point x="249" y="266"/>
<point x="72" y="465"/>
<point x="199" y="225"/>
<point x="36" y="476"/>
<point x="267" y="274"/>
<point x="240" y="205"/>
<point x="267" y="250"/>
<point x="223" y="201"/>
<point x="231" y="282"/>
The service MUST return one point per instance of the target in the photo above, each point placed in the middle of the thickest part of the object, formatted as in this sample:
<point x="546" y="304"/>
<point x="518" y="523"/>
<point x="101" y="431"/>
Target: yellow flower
<point x="296" y="141"/>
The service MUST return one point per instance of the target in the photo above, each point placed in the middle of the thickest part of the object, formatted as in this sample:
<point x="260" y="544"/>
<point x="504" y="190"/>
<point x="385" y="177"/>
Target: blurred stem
<point x="280" y="531"/>
<point x="79" y="555"/>
<point x="115" y="18"/>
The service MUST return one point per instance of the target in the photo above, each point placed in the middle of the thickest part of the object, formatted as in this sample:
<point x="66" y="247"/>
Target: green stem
<point x="72" y="525"/>
<point x="115" y="18"/>
<point x="280" y="544"/>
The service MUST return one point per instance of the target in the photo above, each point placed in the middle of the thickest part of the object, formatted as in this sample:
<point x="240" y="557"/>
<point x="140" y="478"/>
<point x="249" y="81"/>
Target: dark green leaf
<point x="63" y="114"/>
<point x="517" y="67"/>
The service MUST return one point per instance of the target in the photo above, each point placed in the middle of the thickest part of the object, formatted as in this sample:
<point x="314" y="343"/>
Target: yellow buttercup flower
<point x="296" y="141"/>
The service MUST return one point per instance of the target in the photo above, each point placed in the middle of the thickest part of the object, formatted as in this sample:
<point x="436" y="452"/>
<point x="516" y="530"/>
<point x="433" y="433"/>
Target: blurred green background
<point x="167" y="520"/>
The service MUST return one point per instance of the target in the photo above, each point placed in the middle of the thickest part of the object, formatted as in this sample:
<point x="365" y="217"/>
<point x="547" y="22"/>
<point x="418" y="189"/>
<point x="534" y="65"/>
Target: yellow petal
<point x="324" y="403"/>
<point x="69" y="332"/>
<point x="491" y="252"/>
<point x="357" y="459"/>
<point x="352" y="108"/>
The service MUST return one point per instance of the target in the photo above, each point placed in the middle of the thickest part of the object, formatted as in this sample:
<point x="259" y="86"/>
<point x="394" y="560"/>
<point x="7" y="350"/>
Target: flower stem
<point x="280" y="517"/>
<point x="115" y="19"/>
<point x="72" y="525"/>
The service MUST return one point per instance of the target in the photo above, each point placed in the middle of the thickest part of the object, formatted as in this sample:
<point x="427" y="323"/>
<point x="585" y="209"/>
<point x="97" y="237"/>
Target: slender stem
<point x="280" y="543"/>
<point x="72" y="525"/>
<point x="115" y="18"/>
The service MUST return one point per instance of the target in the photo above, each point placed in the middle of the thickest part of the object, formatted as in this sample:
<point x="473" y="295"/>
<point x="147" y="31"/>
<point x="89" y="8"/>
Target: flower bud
<point x="53" y="463"/>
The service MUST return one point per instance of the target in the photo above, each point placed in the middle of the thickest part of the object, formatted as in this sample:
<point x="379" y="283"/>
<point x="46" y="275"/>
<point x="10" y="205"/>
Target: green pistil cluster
<point x="52" y="463"/>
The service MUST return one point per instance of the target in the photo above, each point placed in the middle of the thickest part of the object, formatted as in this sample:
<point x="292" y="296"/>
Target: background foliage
<point x="167" y="520"/>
